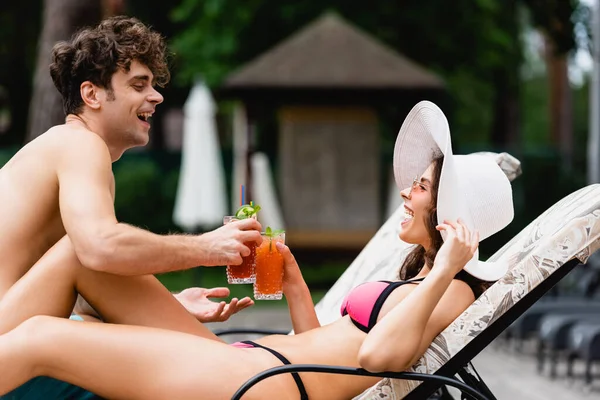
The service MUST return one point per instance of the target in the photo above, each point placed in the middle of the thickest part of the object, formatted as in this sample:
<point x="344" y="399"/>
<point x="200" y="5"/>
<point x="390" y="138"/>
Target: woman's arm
<point x="302" y="309"/>
<point x="403" y="335"/>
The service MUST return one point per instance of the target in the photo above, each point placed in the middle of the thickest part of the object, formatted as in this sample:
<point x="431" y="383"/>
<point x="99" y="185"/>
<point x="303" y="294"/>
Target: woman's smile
<point x="408" y="216"/>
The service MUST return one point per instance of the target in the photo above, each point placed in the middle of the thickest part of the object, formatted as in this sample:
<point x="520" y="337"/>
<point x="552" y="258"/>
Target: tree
<point x="158" y="16"/>
<point x="61" y="19"/>
<point x="506" y="124"/>
<point x="17" y="62"/>
<point x="470" y="44"/>
<point x="556" y="21"/>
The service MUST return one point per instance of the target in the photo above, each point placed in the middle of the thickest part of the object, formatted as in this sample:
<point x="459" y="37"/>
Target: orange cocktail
<point x="244" y="272"/>
<point x="269" y="267"/>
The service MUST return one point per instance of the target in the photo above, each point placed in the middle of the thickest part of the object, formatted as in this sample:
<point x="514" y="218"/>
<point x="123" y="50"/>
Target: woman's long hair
<point x="418" y="257"/>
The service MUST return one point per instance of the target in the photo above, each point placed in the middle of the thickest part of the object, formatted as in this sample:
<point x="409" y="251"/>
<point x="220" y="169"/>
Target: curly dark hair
<point x="95" y="54"/>
<point x="416" y="259"/>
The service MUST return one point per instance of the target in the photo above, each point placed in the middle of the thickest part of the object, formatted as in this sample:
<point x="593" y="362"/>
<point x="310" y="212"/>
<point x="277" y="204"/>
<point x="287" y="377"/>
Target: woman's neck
<point x="424" y="271"/>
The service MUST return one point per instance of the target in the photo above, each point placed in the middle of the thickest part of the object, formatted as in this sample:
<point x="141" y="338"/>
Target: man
<point x="62" y="182"/>
<point x="57" y="192"/>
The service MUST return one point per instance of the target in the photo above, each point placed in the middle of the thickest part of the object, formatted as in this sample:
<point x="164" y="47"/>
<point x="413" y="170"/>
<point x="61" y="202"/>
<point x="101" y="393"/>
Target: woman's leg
<point x="119" y="361"/>
<point x="50" y="288"/>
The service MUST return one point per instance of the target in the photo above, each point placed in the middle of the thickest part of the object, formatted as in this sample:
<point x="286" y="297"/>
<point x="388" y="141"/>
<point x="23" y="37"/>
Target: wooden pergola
<point x="327" y="86"/>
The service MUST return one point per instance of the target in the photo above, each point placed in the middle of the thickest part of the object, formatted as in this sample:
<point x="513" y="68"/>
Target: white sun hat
<point x="472" y="187"/>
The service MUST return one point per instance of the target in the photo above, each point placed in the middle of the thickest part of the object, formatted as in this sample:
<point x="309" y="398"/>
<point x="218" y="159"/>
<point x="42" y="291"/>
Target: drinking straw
<point x="242" y="196"/>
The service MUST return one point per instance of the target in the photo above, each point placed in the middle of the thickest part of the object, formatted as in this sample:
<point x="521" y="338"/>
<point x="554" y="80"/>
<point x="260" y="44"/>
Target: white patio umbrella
<point x="240" y="155"/>
<point x="201" y="197"/>
<point x="263" y="192"/>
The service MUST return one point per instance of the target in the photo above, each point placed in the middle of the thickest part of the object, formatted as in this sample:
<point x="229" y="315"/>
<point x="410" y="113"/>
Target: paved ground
<point x="509" y="375"/>
<point x="513" y="376"/>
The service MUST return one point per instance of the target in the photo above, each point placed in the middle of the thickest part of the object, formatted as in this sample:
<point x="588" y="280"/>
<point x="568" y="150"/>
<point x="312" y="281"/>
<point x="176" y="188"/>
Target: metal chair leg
<point x="570" y="359"/>
<point x="588" y="372"/>
<point x="540" y="355"/>
<point x="553" y="362"/>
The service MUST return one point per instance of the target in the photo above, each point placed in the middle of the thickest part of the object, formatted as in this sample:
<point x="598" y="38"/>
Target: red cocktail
<point x="243" y="273"/>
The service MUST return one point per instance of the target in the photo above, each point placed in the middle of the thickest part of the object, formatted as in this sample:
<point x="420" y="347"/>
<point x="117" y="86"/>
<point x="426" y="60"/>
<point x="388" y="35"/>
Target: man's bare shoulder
<point x="58" y="144"/>
<point x="75" y="141"/>
<point x="71" y="136"/>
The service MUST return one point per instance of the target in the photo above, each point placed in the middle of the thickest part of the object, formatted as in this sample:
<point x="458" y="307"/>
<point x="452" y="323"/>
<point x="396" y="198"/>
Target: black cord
<point x="355" y="371"/>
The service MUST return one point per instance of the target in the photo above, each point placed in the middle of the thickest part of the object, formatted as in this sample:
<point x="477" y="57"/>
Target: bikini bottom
<point x="297" y="379"/>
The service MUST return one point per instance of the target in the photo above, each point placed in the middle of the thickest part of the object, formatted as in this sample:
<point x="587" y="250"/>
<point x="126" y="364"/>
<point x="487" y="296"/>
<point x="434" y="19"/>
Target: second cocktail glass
<point x="245" y="272"/>
<point x="269" y="267"/>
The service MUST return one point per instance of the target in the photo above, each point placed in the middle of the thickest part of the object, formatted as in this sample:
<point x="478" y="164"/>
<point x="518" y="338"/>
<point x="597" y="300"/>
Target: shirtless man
<point x="62" y="182"/>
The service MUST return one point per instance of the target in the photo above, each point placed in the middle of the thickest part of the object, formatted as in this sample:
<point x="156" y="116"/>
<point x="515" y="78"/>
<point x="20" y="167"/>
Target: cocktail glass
<point x="269" y="268"/>
<point x="243" y="273"/>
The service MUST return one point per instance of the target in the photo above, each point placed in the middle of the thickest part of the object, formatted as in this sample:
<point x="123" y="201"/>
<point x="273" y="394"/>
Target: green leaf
<point x="271" y="233"/>
<point x="247" y="210"/>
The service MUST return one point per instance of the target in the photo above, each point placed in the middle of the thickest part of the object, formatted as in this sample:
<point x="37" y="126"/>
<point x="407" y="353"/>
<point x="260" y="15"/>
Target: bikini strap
<point x="417" y="280"/>
<point x="285" y="361"/>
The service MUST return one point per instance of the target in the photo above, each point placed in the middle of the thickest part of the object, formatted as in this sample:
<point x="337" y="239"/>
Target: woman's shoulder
<point x="460" y="287"/>
<point x="477" y="286"/>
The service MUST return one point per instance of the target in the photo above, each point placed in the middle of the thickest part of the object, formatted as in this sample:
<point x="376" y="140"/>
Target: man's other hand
<point x="197" y="302"/>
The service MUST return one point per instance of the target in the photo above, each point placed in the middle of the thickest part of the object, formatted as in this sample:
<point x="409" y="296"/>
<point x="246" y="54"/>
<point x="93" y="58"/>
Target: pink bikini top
<point x="364" y="302"/>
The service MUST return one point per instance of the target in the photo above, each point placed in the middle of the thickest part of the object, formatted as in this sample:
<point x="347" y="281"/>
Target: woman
<point x="385" y="325"/>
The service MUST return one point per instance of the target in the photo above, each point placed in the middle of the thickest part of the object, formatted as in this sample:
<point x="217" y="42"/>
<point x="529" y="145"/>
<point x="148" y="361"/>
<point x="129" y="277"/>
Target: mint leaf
<point x="247" y="210"/>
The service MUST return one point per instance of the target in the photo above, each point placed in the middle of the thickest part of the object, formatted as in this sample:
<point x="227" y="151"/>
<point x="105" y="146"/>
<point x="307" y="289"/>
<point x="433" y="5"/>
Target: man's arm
<point x="102" y="243"/>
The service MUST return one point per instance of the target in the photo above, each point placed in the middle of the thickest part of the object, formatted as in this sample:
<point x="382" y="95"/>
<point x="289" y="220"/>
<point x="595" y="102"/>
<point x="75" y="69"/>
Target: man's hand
<point x="197" y="302"/>
<point x="227" y="244"/>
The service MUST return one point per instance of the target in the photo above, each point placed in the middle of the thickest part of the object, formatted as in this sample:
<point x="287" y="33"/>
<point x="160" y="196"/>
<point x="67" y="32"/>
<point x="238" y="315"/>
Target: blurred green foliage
<point x="476" y="46"/>
<point x="19" y="28"/>
<point x="557" y="19"/>
<point x="145" y="194"/>
<point x="536" y="124"/>
<point x="215" y="277"/>
<point x="219" y="35"/>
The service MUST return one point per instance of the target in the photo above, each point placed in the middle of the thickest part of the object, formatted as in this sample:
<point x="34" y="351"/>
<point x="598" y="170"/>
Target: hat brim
<point x="423" y="137"/>
<point x="489" y="271"/>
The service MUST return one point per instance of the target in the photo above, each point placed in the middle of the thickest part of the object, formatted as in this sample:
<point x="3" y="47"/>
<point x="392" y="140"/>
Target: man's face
<point x="127" y="108"/>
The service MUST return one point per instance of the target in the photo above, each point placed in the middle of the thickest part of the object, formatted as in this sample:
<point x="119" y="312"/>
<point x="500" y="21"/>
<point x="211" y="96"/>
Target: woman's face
<point x="417" y="203"/>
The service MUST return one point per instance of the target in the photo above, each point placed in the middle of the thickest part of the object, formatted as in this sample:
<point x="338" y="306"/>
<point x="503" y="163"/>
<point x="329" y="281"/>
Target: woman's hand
<point x="302" y="310"/>
<point x="292" y="277"/>
<point x="458" y="248"/>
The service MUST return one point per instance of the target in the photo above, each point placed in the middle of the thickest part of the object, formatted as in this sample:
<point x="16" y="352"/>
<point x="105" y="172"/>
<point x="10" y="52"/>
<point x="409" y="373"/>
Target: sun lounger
<point x="540" y="256"/>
